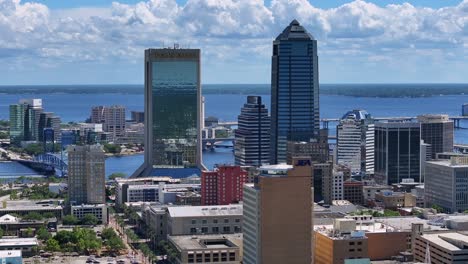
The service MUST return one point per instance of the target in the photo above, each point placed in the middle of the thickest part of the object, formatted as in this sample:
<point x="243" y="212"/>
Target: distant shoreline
<point x="354" y="90"/>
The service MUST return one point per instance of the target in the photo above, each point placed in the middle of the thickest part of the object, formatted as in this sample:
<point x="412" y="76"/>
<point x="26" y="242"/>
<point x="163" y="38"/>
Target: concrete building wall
<point x="219" y="224"/>
<point x="292" y="209"/>
<point x="336" y="250"/>
<point x="378" y="244"/>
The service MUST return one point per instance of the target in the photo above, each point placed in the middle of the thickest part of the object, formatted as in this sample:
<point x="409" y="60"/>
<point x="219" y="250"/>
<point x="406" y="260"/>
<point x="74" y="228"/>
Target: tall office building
<point x="355" y="142"/>
<point x="252" y="144"/>
<point x="445" y="184"/>
<point x="138" y="117"/>
<point x="223" y="185"/>
<point x="294" y="90"/>
<point x="17" y="119"/>
<point x="172" y="112"/>
<point x="49" y="120"/>
<point x="437" y="131"/>
<point x="317" y="149"/>
<point x="86" y="174"/>
<point x="397" y="152"/>
<point x="32" y="116"/>
<point x="277" y="215"/>
<point x="112" y="118"/>
<point x="24" y="119"/>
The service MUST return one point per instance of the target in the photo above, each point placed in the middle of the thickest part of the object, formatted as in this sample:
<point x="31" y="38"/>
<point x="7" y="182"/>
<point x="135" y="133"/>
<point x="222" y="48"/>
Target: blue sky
<point x="99" y="41"/>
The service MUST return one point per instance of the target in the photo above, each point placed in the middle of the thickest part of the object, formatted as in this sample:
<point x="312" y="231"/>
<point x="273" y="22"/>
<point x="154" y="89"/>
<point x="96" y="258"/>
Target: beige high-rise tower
<point x="86" y="175"/>
<point x="278" y="215"/>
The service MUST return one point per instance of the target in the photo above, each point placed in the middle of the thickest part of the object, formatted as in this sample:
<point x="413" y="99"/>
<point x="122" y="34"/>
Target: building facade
<point x="280" y="197"/>
<point x="317" y="148"/>
<point x="198" y="220"/>
<point x="138" y="117"/>
<point x="446" y="185"/>
<point x="252" y="137"/>
<point x="24" y="120"/>
<point x="353" y="191"/>
<point x="172" y="109"/>
<point x="397" y="152"/>
<point x="223" y="185"/>
<point x="355" y="142"/>
<point x="97" y="210"/>
<point x="207" y="248"/>
<point x="48" y="120"/>
<point x="437" y="131"/>
<point x="86" y="175"/>
<point x="112" y="118"/>
<point x="294" y="90"/>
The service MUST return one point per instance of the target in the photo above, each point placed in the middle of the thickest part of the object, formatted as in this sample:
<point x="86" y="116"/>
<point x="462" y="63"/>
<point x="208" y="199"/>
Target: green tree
<point x="116" y="175"/>
<point x="70" y="220"/>
<point x="29" y="232"/>
<point x="43" y="234"/>
<point x="4" y="135"/>
<point x="111" y="240"/>
<point x="438" y="208"/>
<point x="89" y="219"/>
<point x="14" y="195"/>
<point x="34" y="149"/>
<point x="52" y="245"/>
<point x="112" y="148"/>
<point x="33" y="216"/>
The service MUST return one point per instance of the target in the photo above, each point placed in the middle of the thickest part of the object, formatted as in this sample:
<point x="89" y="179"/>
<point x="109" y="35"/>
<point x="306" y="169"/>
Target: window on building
<point x="226" y="220"/>
<point x="194" y="221"/>
<point x="226" y="229"/>
<point x="232" y="256"/>
<point x="237" y="220"/>
<point x="215" y="229"/>
<point x="215" y="221"/>
<point x="204" y="230"/>
<point x="193" y="230"/>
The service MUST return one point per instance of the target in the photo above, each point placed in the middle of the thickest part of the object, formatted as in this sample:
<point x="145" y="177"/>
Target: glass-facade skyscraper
<point x="252" y="144"/>
<point x="397" y="152"/>
<point x="172" y="109"/>
<point x="294" y="90"/>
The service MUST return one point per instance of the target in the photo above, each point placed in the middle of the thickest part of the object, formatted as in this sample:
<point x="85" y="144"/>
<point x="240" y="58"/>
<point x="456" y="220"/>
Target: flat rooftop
<point x="149" y="179"/>
<point x="367" y="228"/>
<point x="10" y="254"/>
<point x="447" y="163"/>
<point x="25" y="205"/>
<point x="6" y="242"/>
<point x="198" y="211"/>
<point x="404" y="223"/>
<point x="450" y="241"/>
<point x="221" y="242"/>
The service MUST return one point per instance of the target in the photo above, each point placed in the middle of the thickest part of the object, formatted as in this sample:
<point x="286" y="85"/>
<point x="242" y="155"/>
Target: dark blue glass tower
<point x="294" y="90"/>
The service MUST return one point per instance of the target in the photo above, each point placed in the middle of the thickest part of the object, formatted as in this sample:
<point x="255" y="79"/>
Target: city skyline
<point x="56" y="43"/>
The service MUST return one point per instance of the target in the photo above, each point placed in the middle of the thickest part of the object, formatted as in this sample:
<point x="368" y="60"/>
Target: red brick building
<point x="223" y="185"/>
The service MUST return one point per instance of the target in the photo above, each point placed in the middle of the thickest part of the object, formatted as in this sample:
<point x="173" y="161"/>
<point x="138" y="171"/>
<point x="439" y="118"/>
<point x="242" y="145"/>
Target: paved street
<point x="134" y="254"/>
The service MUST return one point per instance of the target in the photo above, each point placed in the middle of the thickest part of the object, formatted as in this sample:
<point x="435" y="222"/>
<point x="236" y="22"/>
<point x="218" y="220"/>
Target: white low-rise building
<point x="192" y="220"/>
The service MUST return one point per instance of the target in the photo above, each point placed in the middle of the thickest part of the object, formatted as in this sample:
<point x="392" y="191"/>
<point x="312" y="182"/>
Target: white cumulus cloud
<point x="230" y="31"/>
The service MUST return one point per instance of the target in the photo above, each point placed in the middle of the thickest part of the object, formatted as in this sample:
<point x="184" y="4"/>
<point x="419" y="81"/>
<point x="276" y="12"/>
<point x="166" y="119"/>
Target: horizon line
<point x="326" y="83"/>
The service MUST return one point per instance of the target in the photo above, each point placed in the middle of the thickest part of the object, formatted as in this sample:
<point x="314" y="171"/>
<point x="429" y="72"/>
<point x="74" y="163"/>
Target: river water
<point x="72" y="107"/>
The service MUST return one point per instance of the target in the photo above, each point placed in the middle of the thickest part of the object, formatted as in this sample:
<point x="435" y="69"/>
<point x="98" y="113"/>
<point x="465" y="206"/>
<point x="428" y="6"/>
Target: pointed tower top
<point x="294" y="23"/>
<point x="295" y="31"/>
